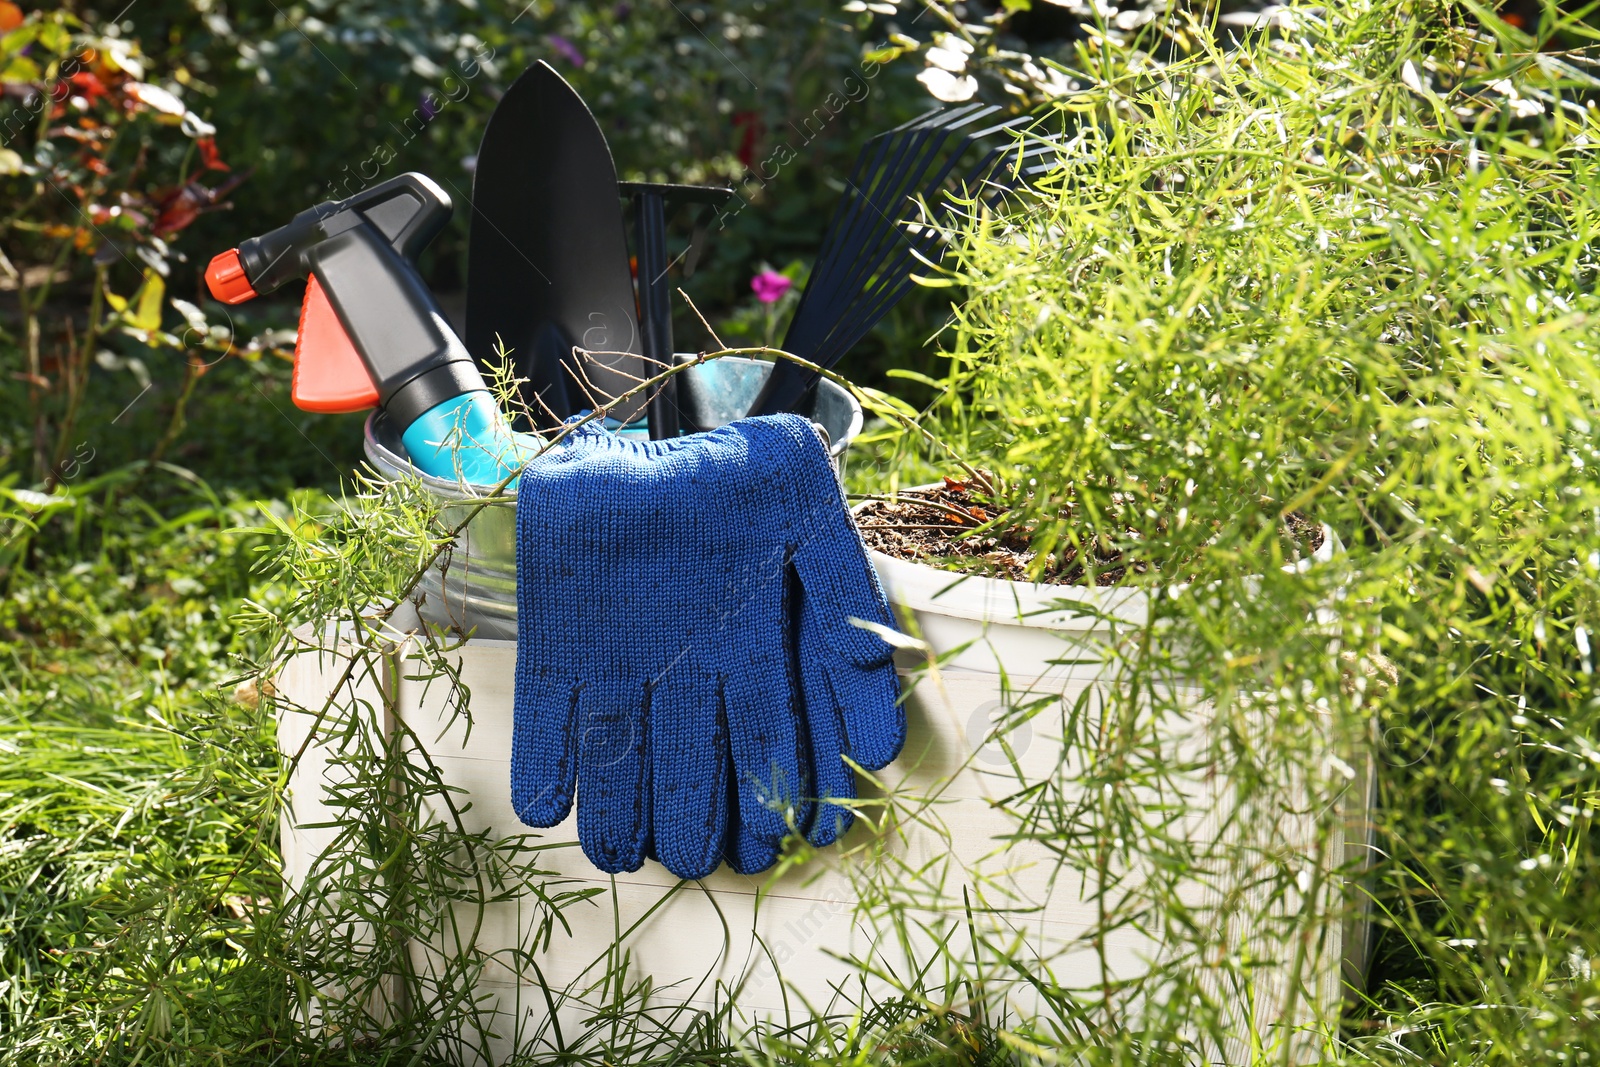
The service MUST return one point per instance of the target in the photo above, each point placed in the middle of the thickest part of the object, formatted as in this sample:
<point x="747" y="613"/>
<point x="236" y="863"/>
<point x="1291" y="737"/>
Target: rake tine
<point x="870" y="255"/>
<point x="928" y="148"/>
<point x="860" y="229"/>
<point x="945" y="205"/>
<point x="842" y="226"/>
<point x="921" y="246"/>
<point x="880" y="183"/>
<point x="916" y="177"/>
<point x="831" y="237"/>
<point x="891" y="283"/>
<point x="882" y="204"/>
<point x="869" y="252"/>
<point x="913" y="240"/>
<point x="885" y="252"/>
<point x="1036" y="160"/>
<point x="875" y="185"/>
<point x="879" y="299"/>
<point x="954" y="158"/>
<point x="984" y="185"/>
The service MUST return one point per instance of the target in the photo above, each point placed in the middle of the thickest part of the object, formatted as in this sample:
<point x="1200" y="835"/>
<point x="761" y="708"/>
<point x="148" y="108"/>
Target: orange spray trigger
<point x="329" y="374"/>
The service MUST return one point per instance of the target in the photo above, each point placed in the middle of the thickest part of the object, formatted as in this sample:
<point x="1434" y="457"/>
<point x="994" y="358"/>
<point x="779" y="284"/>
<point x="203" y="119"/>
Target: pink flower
<point x="769" y="286"/>
<point x="568" y="50"/>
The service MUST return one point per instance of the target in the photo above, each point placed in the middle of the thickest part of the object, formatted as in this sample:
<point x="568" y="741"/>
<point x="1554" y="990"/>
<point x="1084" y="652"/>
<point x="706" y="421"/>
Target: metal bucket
<point x="475" y="587"/>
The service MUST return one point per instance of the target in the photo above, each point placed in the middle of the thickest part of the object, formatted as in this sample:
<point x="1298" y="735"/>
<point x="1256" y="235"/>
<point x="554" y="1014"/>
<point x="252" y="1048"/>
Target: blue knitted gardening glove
<point x="642" y="623"/>
<point x="845" y="717"/>
<point x="654" y="662"/>
<point x="849" y="687"/>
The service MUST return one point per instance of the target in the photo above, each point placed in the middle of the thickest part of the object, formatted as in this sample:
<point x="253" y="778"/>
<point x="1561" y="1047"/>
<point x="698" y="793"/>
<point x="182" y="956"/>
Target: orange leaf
<point x="209" y="155"/>
<point x="88" y="85"/>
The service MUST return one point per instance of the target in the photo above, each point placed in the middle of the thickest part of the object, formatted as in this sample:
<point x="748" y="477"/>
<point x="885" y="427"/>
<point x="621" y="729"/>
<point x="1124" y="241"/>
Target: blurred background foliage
<point x="198" y="123"/>
<point x="140" y="141"/>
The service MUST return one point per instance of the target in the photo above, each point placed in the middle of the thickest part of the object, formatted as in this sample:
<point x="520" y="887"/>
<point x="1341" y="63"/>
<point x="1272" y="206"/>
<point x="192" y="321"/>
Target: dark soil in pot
<point x="938" y="526"/>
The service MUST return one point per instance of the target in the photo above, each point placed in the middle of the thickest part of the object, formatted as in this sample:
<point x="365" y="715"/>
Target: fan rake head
<point x="896" y="212"/>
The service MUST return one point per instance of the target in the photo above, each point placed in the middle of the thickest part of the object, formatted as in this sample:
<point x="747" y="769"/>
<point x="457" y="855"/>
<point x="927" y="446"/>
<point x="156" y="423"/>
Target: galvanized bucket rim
<point x="392" y="465"/>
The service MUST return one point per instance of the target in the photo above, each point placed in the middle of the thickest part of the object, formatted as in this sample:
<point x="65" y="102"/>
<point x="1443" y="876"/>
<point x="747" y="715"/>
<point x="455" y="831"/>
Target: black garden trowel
<point x="547" y="264"/>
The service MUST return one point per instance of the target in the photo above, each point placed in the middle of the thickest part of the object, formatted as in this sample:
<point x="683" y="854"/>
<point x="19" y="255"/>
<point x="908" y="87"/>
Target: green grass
<point x="133" y="867"/>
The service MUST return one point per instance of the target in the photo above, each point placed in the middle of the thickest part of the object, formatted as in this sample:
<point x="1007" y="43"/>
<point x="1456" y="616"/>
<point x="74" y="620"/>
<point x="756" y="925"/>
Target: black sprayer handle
<point x="360" y="252"/>
<point x="409" y="211"/>
<point x="415" y="358"/>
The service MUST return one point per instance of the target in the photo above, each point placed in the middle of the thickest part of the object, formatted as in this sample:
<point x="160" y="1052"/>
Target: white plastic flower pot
<point x="928" y="870"/>
<point x="1005" y="645"/>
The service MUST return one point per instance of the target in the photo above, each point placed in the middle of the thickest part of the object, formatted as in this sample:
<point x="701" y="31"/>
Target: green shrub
<point x="1346" y="270"/>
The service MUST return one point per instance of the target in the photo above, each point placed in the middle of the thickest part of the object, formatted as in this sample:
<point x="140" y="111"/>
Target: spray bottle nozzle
<point x="226" y="279"/>
<point x="371" y="332"/>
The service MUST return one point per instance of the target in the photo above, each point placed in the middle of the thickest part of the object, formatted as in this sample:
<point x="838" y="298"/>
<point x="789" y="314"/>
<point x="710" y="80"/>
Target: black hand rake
<point x="893" y="215"/>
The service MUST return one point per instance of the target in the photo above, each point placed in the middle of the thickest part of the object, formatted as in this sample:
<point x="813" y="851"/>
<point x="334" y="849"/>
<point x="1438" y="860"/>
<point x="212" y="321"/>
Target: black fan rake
<point x="895" y="214"/>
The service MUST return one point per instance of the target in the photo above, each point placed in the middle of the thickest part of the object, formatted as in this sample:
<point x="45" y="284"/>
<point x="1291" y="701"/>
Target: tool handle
<point x="713" y="195"/>
<point x="329" y="374"/>
<point x="414" y="358"/>
<point x="650" y="200"/>
<point x="655" y="308"/>
<point x="408" y="211"/>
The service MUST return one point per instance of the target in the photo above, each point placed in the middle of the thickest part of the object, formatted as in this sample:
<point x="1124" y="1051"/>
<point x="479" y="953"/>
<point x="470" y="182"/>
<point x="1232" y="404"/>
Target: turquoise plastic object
<point x="466" y="439"/>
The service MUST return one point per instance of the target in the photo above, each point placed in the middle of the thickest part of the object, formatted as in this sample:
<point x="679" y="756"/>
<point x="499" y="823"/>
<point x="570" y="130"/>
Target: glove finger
<point x="830" y="559"/>
<point x="544" y="759"/>
<point x="869" y="705"/>
<point x="771" y="756"/>
<point x="833" y="777"/>
<point x="871" y="724"/>
<point x="690" y="772"/>
<point x="790" y="464"/>
<point x="544" y="762"/>
<point x="749" y="854"/>
<point x="836" y="574"/>
<point x="613" y="776"/>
